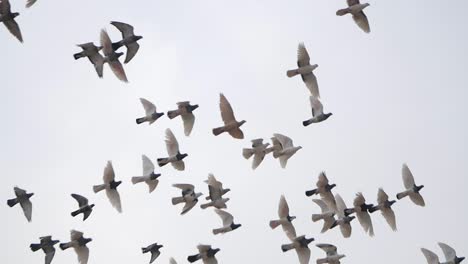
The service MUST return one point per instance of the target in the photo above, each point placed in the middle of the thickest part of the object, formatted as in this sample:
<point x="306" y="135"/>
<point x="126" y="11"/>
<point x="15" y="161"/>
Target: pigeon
<point x="231" y="125"/>
<point x="450" y="254"/>
<point x="285" y="220"/>
<point x="110" y="185"/>
<point x="283" y="148"/>
<point x="327" y="215"/>
<point x="189" y="197"/>
<point x="92" y="52"/>
<point x="206" y="253"/>
<point x="185" y="111"/>
<point x="385" y="207"/>
<point x="324" y="189"/>
<point x="412" y="190"/>
<point x="149" y="177"/>
<point x="151" y="114"/>
<point x="84" y="207"/>
<point x="47" y="245"/>
<point x="175" y="158"/>
<point x="129" y="40"/>
<point x="228" y="223"/>
<point x="355" y="8"/>
<point x="301" y="245"/>
<point x="431" y="257"/>
<point x="78" y="243"/>
<point x="112" y="57"/>
<point x="8" y="19"/>
<point x="216" y="192"/>
<point x="343" y="221"/>
<point x="362" y="212"/>
<point x="258" y="151"/>
<point x="172" y="261"/>
<point x="23" y="199"/>
<point x="332" y="256"/>
<point x="306" y="71"/>
<point x="317" y="112"/>
<point x="154" y="249"/>
<point x="29" y="3"/>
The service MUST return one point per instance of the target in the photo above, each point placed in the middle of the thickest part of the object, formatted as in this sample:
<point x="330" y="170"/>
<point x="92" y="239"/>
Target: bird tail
<point x="75" y="213"/>
<point x="311" y="192"/>
<point x="177" y="200"/>
<point x="193" y="258"/>
<point x="342" y="12"/>
<point x="401" y="195"/>
<point x="247" y="153"/>
<point x="137" y="179"/>
<point x="162" y="161"/>
<point x="204" y="206"/>
<point x="217" y="231"/>
<point x="274" y="224"/>
<point x="373" y="209"/>
<point x="12" y="202"/>
<point x="316" y="217"/>
<point x="172" y="114"/>
<point x="287" y="247"/>
<point x="141" y="120"/>
<point x="98" y="188"/>
<point x="218" y="130"/>
<point x="322" y="261"/>
<point x="292" y="73"/>
<point x="78" y="55"/>
<point x="35" y="247"/>
<point x="64" y="246"/>
<point x="307" y="122"/>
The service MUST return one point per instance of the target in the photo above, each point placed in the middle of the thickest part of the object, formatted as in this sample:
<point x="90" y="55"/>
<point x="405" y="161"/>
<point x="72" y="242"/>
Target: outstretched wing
<point x="82" y="201"/>
<point x="227" y="114"/>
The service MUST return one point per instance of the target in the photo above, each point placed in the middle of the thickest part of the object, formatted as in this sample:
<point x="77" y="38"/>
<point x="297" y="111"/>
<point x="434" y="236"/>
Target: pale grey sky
<point x="397" y="95"/>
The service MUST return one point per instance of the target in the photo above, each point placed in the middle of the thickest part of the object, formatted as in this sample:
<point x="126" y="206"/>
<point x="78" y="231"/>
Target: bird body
<point x="305" y="69"/>
<point x="385" y="207"/>
<point x="110" y="186"/>
<point x="154" y="250"/>
<point x="22" y="197"/>
<point x="91" y="51"/>
<point x="285" y="220"/>
<point x="324" y="189"/>
<point x="175" y="157"/>
<point x="317" y="112"/>
<point x="231" y="125"/>
<point x="151" y="115"/>
<point x="84" y="207"/>
<point x="258" y="151"/>
<point x="301" y="245"/>
<point x="412" y="190"/>
<point x="283" y="148"/>
<point x="228" y="222"/>
<point x="355" y="8"/>
<point x="189" y="197"/>
<point x="185" y="110"/>
<point x="112" y="57"/>
<point x="47" y="245"/>
<point x="149" y="177"/>
<point x="343" y="221"/>
<point x="8" y="19"/>
<point x="361" y="209"/>
<point x="206" y="253"/>
<point x="129" y="40"/>
<point x="78" y="243"/>
<point x="332" y="256"/>
<point x="327" y="215"/>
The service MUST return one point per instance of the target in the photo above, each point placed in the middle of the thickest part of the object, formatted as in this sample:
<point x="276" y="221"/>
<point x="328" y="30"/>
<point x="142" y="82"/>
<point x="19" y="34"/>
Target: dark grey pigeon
<point x="129" y="40"/>
<point x="78" y="242"/>
<point x="8" y="19"/>
<point x="84" y="207"/>
<point x="154" y="249"/>
<point x="92" y="52"/>
<point x="47" y="245"/>
<point x="23" y="199"/>
<point x="112" y="57"/>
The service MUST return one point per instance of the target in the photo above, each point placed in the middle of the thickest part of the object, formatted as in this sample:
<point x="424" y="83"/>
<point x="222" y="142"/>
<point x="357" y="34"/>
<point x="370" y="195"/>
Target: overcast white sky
<point x="398" y="95"/>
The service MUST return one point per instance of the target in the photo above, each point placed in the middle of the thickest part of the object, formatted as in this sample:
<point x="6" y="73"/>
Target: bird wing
<point x="189" y="120"/>
<point x="322" y="180"/>
<point x="83" y="254"/>
<point x="226" y="110"/>
<point x="311" y="83"/>
<point x="346" y="230"/>
<point x="257" y="142"/>
<point x="154" y="255"/>
<point x="258" y="158"/>
<point x="152" y="184"/>
<point x="125" y="29"/>
<point x="328" y="248"/>
<point x="82" y="201"/>
<point x="109" y="174"/>
<point x="75" y="235"/>
<point x="329" y="199"/>
<point x="29" y="3"/>
<point x="236" y="133"/>
<point x="226" y="217"/>
<point x="14" y="29"/>
<point x="132" y="50"/>
<point x="303" y="254"/>
<point x="49" y="256"/>
<point x="389" y="216"/>
<point x="327" y="224"/>
<point x="408" y="179"/>
<point x="118" y="70"/>
<point x="148" y="166"/>
<point x="289" y="230"/>
<point x="188" y="206"/>
<point x="184" y="187"/>
<point x="178" y="165"/>
<point x="283" y="208"/>
<point x="417" y="199"/>
<point x="366" y="222"/>
<point x="149" y="107"/>
<point x="303" y="58"/>
<point x="5" y="6"/>
<point x="285" y="141"/>
<point x="340" y="206"/>
<point x="172" y="261"/>
<point x="352" y="2"/>
<point x="449" y="252"/>
<point x="106" y="43"/>
<point x="382" y="196"/>
<point x="98" y="61"/>
<point x="359" y="200"/>
<point x="317" y="107"/>
<point x="18" y="191"/>
<point x="27" y="209"/>
<point x="172" y="145"/>
<point x="114" y="199"/>
<point x="431" y="257"/>
<point x="323" y="206"/>
<point x="361" y="20"/>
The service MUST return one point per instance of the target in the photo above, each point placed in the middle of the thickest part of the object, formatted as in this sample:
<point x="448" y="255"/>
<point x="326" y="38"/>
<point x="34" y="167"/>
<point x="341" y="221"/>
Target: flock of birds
<point x="334" y="211"/>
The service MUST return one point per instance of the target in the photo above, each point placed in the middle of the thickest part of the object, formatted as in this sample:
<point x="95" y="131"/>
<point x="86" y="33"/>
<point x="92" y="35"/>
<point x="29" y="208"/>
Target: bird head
<point x="192" y="107"/>
<point x="159" y="246"/>
<point x="418" y="188"/>
<point x="226" y="190"/>
<point x="391" y="202"/>
<point x="460" y="259"/>
<point x="348" y="211"/>
<point x="87" y="240"/>
<point x="15" y="14"/>
<point x="235" y="226"/>
<point x="154" y="176"/>
<point x="290" y="218"/>
<point x="118" y="54"/>
<point x="216" y="250"/>
<point x="115" y="184"/>
<point x="156" y="115"/>
<point x="53" y="242"/>
<point x="138" y="38"/>
<point x="314" y="66"/>
<point x="181" y="156"/>
<point x="309" y="240"/>
<point x="351" y="218"/>
<point x="242" y="122"/>
<point x="29" y="195"/>
<point x="91" y="206"/>
<point x="366" y="5"/>
<point x="328" y="115"/>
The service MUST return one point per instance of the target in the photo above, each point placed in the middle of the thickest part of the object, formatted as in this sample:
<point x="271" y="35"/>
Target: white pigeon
<point x="305" y="70"/>
<point x="412" y="190"/>
<point x="343" y="221"/>
<point x="285" y="220"/>
<point x="78" y="243"/>
<point x="189" y="197"/>
<point x="216" y="192"/>
<point x="206" y="253"/>
<point x="301" y="245"/>
<point x="149" y="177"/>
<point x="332" y="255"/>
<point x="361" y="209"/>
<point x="355" y="8"/>
<point x="151" y="115"/>
<point x="112" y="57"/>
<point x="317" y="112"/>
<point x="327" y="215"/>
<point x="324" y="190"/>
<point x="431" y="257"/>
<point x="231" y="125"/>
<point x="450" y="254"/>
<point x="385" y="207"/>
<point x="175" y="158"/>
<point x="258" y="151"/>
<point x="110" y="185"/>
<point x="228" y="223"/>
<point x="23" y="199"/>
<point x="184" y="110"/>
<point x="283" y="148"/>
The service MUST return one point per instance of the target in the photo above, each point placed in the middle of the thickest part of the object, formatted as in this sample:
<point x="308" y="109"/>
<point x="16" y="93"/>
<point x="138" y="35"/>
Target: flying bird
<point x="412" y="190"/>
<point x="343" y="221"/>
<point x="29" y="3"/>
<point x="216" y="192"/>
<point x="22" y="197"/>
<point x="361" y="209"/>
<point x="317" y="112"/>
<point x="385" y="207"/>
<point x="283" y="148"/>
<point x="355" y="8"/>
<point x="175" y="158"/>
<point x="301" y="245"/>
<point x="8" y="19"/>
<point x="332" y="255"/>
<point x="154" y="249"/>
<point x="231" y="125"/>
<point x="306" y="70"/>
<point x="151" y="114"/>
<point x="129" y="40"/>
<point x="185" y="111"/>
<point x="285" y="220"/>
<point x="449" y="253"/>
<point x="110" y="185"/>
<point x="149" y="177"/>
<point x="47" y="245"/>
<point x="189" y="197"/>
<point x="327" y="215"/>
<point x="206" y="253"/>
<point x="228" y="223"/>
<point x="78" y="243"/>
<point x="324" y="190"/>
<point x="258" y="151"/>
<point x="112" y="57"/>
<point x="84" y="207"/>
<point x="91" y="51"/>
